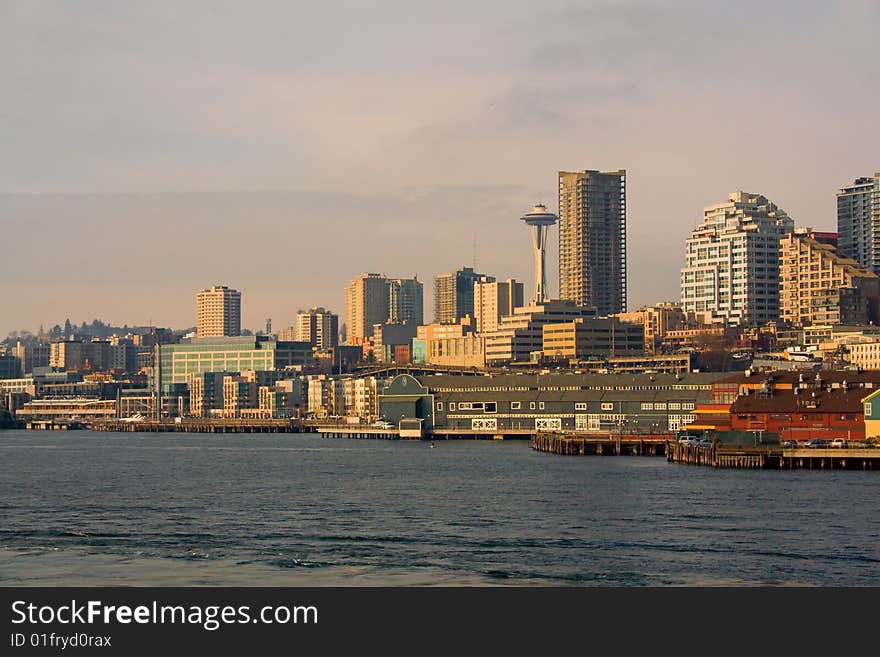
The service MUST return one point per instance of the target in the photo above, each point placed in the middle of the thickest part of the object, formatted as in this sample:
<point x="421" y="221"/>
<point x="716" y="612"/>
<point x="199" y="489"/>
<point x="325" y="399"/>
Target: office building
<point x="10" y="367"/>
<point x="592" y="337"/>
<point x="218" y="312"/>
<point x="387" y="337"/>
<point x="818" y="286"/>
<point x="76" y="356"/>
<point x="373" y="299"/>
<point x="227" y="354"/>
<point x="657" y="320"/>
<point x="406" y="301"/>
<point x="858" y="222"/>
<point x="318" y="327"/>
<point x="32" y="355"/>
<point x="493" y="300"/>
<point x="453" y="345"/>
<point x="520" y="336"/>
<point x="732" y="261"/>
<point x="454" y="295"/>
<point x="367" y="299"/>
<point x="592" y="239"/>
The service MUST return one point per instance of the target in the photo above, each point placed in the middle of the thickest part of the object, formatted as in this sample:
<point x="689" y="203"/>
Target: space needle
<point x="540" y="221"/>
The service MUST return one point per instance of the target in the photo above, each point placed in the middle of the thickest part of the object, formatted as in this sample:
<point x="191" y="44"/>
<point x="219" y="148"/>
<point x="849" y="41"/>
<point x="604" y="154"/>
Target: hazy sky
<point x="150" y="149"/>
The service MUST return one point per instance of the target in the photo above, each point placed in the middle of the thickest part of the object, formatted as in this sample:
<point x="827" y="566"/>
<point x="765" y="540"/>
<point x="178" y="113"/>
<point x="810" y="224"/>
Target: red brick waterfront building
<point x="794" y="405"/>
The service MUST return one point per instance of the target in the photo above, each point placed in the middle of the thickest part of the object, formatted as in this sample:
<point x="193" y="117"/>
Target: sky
<point x="152" y="149"/>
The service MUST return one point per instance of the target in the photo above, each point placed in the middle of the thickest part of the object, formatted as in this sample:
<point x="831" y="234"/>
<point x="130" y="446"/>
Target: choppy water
<point x="82" y="508"/>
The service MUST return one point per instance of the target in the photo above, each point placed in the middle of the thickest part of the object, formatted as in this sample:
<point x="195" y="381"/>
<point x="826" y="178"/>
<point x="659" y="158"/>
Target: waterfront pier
<point x="607" y="444"/>
<point x="775" y="457"/>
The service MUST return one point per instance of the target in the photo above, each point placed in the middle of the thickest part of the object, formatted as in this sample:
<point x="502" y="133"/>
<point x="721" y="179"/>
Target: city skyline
<point x="131" y="173"/>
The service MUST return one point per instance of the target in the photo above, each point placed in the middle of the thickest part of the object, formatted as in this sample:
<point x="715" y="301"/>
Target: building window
<point x="515" y="406"/>
<point x="451" y="406"/>
<point x="439" y="406"/>
<point x="490" y="407"/>
<point x="606" y="406"/>
<point x="580" y="406"/>
<point x="541" y="405"/>
<point x="867" y="409"/>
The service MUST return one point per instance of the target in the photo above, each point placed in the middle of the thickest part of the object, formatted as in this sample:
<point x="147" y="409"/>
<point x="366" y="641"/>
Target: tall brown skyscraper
<point x="592" y="239"/>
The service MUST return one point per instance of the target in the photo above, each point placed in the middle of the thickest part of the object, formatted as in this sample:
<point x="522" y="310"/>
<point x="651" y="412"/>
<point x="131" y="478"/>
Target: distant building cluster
<point x="757" y="292"/>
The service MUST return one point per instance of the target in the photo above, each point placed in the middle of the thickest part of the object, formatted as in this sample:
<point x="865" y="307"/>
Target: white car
<point x="838" y="442"/>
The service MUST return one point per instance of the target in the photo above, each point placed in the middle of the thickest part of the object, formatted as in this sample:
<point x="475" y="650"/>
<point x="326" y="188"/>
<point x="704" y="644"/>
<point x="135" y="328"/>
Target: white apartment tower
<point x="731" y="267"/>
<point x="218" y="311"/>
<point x="494" y="300"/>
<point x="858" y="222"/>
<point x="318" y="327"/>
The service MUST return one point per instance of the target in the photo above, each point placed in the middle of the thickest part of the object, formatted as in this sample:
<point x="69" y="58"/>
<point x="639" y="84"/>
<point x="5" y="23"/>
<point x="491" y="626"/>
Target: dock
<point x="607" y="444"/>
<point x="53" y="425"/>
<point x="196" y="425"/>
<point x="774" y="457"/>
<point x="361" y="433"/>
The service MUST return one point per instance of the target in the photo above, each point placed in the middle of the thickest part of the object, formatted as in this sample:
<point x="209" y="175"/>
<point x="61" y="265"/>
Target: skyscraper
<point x="858" y="222"/>
<point x="406" y="301"/>
<point x="494" y="300"/>
<point x="317" y="326"/>
<point x="366" y="303"/>
<point x="218" y="312"/>
<point x="592" y="239"/>
<point x="454" y="295"/>
<point x="732" y="261"/>
<point x="374" y="299"/>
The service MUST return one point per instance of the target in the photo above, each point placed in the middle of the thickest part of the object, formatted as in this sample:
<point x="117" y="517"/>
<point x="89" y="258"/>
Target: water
<point x="82" y="508"/>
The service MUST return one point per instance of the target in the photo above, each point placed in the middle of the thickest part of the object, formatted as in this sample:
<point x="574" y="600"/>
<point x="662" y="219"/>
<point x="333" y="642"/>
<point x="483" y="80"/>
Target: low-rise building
<point x="602" y="403"/>
<point x="388" y="336"/>
<point x="239" y="392"/>
<point x="77" y="408"/>
<point x="520" y="336"/>
<point x="587" y="337"/>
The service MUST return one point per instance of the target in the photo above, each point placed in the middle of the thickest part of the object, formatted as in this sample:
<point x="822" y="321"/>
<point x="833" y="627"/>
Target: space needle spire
<point x="540" y="221"/>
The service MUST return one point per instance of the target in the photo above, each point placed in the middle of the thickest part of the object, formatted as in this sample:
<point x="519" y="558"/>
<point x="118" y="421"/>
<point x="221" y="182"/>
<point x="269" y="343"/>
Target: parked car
<point x="816" y="443"/>
<point x="838" y="442"/>
<point x="704" y="442"/>
<point x="790" y="443"/>
<point x="687" y="440"/>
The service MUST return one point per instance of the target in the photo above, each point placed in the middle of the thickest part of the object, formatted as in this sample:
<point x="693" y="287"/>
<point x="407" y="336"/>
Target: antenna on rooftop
<point x="475" y="252"/>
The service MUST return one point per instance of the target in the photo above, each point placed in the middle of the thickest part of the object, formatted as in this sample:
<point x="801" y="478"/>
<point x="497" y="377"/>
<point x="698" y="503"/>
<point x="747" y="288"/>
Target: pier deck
<point x="775" y="457"/>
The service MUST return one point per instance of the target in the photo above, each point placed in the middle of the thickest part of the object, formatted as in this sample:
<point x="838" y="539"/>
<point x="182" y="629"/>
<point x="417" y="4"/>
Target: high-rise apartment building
<point x="454" y="295"/>
<point x="732" y="261"/>
<point x="32" y="355"/>
<point x="219" y="312"/>
<point x="592" y="239"/>
<point x="317" y="326"/>
<point x="493" y="300"/>
<point x="818" y="286"/>
<point x="373" y="299"/>
<point x="406" y="301"/>
<point x="366" y="303"/>
<point x="858" y="222"/>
